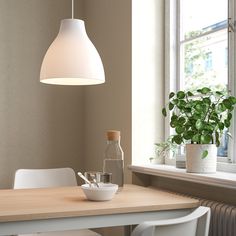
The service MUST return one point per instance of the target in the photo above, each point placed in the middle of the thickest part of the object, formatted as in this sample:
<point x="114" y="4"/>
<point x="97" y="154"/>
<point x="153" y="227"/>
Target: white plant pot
<point x="194" y="161"/>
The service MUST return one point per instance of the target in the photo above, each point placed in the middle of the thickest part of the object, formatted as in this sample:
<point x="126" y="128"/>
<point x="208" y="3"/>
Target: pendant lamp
<point x="72" y="58"/>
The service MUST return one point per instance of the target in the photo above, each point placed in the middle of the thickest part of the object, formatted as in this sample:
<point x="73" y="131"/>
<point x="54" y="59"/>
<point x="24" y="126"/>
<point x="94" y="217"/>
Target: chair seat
<point x="82" y="232"/>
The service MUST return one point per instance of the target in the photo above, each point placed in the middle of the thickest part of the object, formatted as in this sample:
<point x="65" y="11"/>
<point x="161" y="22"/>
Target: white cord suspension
<point x="72" y="9"/>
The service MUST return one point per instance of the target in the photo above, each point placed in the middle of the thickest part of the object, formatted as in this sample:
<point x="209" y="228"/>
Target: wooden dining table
<point x="66" y="208"/>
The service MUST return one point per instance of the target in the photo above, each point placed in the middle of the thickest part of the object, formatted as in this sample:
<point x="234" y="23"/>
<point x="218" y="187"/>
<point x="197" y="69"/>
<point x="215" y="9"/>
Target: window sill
<point x="219" y="179"/>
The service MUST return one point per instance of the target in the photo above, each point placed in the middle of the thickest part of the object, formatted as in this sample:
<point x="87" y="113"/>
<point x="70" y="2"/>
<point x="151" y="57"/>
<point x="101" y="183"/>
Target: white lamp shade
<point x="72" y="59"/>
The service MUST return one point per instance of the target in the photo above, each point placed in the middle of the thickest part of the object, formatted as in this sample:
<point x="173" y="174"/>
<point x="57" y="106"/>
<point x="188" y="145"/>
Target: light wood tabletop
<point x="35" y="204"/>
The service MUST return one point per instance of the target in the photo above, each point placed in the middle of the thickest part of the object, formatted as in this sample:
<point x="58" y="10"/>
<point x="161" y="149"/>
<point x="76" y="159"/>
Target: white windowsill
<point x="220" y="179"/>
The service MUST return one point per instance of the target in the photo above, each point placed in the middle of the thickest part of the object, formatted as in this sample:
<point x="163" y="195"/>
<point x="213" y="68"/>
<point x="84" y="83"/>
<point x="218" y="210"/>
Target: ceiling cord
<point x="72" y="9"/>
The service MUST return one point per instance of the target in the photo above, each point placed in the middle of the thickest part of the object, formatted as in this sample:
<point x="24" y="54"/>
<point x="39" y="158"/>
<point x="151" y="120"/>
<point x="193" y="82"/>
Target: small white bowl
<point x="105" y="192"/>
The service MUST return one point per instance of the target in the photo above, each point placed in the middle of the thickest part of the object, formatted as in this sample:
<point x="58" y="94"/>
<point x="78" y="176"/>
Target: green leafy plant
<point x="199" y="117"/>
<point x="163" y="148"/>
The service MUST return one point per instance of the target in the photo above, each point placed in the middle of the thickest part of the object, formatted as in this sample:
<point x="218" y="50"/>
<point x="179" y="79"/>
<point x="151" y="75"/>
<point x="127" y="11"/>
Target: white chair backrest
<point x="44" y="178"/>
<point x="194" y="224"/>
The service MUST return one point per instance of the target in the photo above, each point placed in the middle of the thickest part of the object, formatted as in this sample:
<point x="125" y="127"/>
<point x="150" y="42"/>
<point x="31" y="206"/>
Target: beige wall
<point x="40" y="125"/>
<point x="108" y="106"/>
<point x="46" y="126"/>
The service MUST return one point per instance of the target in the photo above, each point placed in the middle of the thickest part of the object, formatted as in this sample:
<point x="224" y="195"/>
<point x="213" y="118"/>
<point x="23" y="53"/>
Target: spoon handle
<point x="95" y="182"/>
<point x="83" y="177"/>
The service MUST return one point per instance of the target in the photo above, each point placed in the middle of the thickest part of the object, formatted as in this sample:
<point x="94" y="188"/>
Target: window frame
<point x="172" y="62"/>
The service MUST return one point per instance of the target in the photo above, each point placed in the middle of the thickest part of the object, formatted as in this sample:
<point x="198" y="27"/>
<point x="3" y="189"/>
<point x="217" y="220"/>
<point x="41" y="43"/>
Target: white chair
<point x="46" y="178"/>
<point x="194" y="224"/>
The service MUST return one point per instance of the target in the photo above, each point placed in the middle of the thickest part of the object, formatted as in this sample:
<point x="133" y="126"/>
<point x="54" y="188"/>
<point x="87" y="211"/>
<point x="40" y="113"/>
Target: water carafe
<point x="114" y="158"/>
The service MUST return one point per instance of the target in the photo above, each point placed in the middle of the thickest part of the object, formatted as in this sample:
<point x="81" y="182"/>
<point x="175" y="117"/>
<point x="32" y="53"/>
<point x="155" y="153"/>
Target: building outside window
<point x="201" y="40"/>
<point x="208" y="62"/>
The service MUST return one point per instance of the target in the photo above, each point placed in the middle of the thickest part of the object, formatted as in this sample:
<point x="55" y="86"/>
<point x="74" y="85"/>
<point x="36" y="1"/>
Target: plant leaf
<point x="188" y="135"/>
<point x="179" y="129"/>
<point x="181" y="120"/>
<point x="227" y="123"/>
<point x="174" y="117"/>
<point x="175" y="101"/>
<point x="207" y="100"/>
<point x="190" y="94"/>
<point x="221" y="107"/>
<point x="217" y="142"/>
<point x="229" y="117"/>
<point x="198" y="107"/>
<point x="196" y="138"/>
<point x="217" y="139"/>
<point x="171" y="95"/>
<point x="232" y="100"/>
<point x="182" y="103"/>
<point x="199" y="124"/>
<point x="180" y="95"/>
<point x="227" y="103"/>
<point x="204" y="154"/>
<point x="177" y="139"/>
<point x="205" y="90"/>
<point x="206" y="139"/>
<point x="174" y="123"/>
<point x="221" y="125"/>
<point x="187" y="109"/>
<point x="171" y="106"/>
<point x="164" y="112"/>
<point x="219" y="93"/>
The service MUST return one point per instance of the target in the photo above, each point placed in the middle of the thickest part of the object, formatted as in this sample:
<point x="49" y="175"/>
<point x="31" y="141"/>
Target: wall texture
<point x="108" y="106"/>
<point x="45" y="126"/>
<point x="40" y="125"/>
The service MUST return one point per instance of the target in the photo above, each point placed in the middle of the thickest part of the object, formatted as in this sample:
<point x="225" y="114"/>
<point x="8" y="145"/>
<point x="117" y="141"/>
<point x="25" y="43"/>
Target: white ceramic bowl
<point x="105" y="192"/>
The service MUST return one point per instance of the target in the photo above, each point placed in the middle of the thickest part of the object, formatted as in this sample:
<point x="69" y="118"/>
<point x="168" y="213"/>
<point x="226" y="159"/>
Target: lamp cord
<point x="72" y="9"/>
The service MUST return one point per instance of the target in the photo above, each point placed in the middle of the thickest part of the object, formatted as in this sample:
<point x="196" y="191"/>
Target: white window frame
<point x="172" y="64"/>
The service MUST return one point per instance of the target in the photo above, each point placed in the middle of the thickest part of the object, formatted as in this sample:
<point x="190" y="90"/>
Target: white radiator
<point x="223" y="218"/>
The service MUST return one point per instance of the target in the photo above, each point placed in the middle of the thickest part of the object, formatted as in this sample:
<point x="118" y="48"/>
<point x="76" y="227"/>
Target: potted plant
<point x="199" y="119"/>
<point x="164" y="152"/>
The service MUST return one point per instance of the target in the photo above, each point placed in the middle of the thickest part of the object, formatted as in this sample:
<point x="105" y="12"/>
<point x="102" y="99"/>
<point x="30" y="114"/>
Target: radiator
<point x="223" y="218"/>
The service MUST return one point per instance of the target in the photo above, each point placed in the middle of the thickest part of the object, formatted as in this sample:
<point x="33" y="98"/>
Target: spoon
<point x="95" y="182"/>
<point x="84" y="178"/>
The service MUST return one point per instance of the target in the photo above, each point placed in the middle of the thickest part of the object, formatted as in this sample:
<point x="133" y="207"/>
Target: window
<point x="200" y="41"/>
<point x="208" y="62"/>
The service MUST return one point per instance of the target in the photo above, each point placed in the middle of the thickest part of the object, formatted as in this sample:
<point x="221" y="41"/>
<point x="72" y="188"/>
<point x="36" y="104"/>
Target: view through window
<point x="202" y="45"/>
